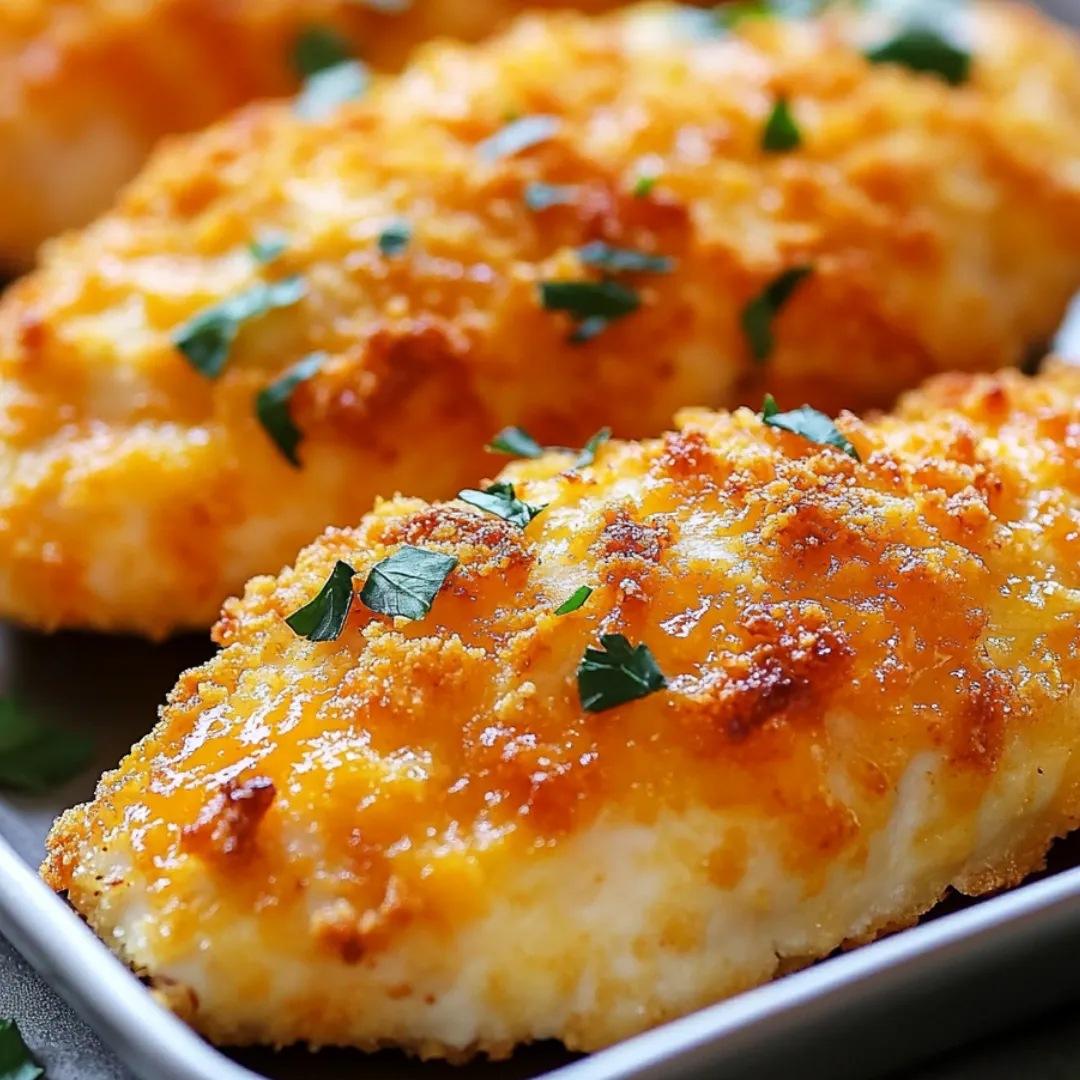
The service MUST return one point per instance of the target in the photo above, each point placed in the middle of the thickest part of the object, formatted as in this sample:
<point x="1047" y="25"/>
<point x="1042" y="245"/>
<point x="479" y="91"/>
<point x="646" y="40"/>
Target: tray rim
<point x="155" y="1045"/>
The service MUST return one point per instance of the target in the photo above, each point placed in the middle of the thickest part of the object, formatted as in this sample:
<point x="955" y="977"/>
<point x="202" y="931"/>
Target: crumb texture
<point x="414" y="835"/>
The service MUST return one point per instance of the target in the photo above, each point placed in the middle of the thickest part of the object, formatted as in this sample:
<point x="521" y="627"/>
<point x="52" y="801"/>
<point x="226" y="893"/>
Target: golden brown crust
<point x="88" y="87"/>
<point x="942" y="224"/>
<point x="871" y="668"/>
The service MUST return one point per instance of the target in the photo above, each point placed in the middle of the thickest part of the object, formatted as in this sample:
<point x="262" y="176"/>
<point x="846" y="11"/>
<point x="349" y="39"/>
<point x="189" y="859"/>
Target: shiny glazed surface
<point x="415" y="835"/>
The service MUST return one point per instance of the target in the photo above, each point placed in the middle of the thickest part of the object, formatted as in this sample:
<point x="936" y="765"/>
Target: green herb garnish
<point x="324" y="618"/>
<point x="406" y="583"/>
<point x="616" y="674"/>
<point x="643" y="186"/>
<point x="516" y="442"/>
<point x="318" y="48"/>
<point x="588" y="451"/>
<point x="207" y="339"/>
<point x="34" y="757"/>
<point x="268" y="246"/>
<point x="518" y="135"/>
<point x="728" y="16"/>
<point x="758" y="315"/>
<point x="272" y="406"/>
<point x="394" y="239"/>
<point x="501" y="500"/>
<point x="809" y="423"/>
<point x="576" y="600"/>
<point x="617" y="260"/>
<point x="593" y="305"/>
<point x="324" y="91"/>
<point x="921" y="47"/>
<point x="15" y="1060"/>
<point x="540" y="196"/>
<point x="781" y="133"/>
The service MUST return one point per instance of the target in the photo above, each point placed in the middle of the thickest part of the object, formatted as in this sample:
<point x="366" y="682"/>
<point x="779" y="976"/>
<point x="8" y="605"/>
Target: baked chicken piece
<point x="573" y="225"/>
<point x="87" y="87"/>
<point x="819" y="679"/>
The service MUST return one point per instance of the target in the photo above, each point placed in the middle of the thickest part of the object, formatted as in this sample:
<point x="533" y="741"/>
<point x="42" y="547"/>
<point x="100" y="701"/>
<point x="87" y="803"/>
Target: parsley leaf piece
<point x="324" y="91"/>
<point x="15" y="1060"/>
<point x="926" y="49"/>
<point x="323" y="618"/>
<point x="624" y="260"/>
<point x="809" y="423"/>
<point x="394" y="239"/>
<point x="318" y="48"/>
<point x="591" y="304"/>
<point x="518" y="135"/>
<point x="728" y="16"/>
<point x="539" y="196"/>
<point x="643" y="186"/>
<point x="406" y="583"/>
<point x="617" y="673"/>
<point x="517" y="442"/>
<point x="781" y="132"/>
<point x="576" y="599"/>
<point x="757" y="316"/>
<point x="33" y="757"/>
<point x="207" y="339"/>
<point x="588" y="451"/>
<point x="389" y="7"/>
<point x="266" y="247"/>
<point x="272" y="406"/>
<point x="501" y="500"/>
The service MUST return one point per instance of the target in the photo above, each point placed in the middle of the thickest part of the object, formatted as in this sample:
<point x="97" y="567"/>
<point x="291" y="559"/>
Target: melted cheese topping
<point x="415" y="835"/>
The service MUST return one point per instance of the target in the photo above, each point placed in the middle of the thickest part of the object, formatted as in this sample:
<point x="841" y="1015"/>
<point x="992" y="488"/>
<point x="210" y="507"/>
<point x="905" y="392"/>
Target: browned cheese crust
<point x="87" y="87"/>
<point x="416" y="835"/>
<point x="942" y="224"/>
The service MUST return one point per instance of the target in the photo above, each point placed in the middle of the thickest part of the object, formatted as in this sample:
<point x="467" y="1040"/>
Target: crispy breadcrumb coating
<point x="87" y="87"/>
<point x="415" y="835"/>
<point x="942" y="226"/>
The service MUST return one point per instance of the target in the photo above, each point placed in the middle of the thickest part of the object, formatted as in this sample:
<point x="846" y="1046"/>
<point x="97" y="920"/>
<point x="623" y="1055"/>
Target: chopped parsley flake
<point x="34" y="757"/>
<point x="593" y="305"/>
<point x="501" y="500"/>
<point x="394" y="239"/>
<point x="781" y="133"/>
<point x="207" y="339"/>
<point x="728" y="16"/>
<point x="324" y="91"/>
<point x="643" y="186"/>
<point x="15" y="1060"/>
<point x="809" y="423"/>
<point x="540" y="196"/>
<point x="516" y="442"/>
<point x="588" y="451"/>
<point x="624" y="260"/>
<point x="758" y="315"/>
<point x="318" y="48"/>
<point x="925" y="48"/>
<point x="272" y="406"/>
<point x="576" y="599"/>
<point x="518" y="135"/>
<point x="268" y="246"/>
<point x="324" y="618"/>
<point x="406" y="583"/>
<point x="617" y="673"/>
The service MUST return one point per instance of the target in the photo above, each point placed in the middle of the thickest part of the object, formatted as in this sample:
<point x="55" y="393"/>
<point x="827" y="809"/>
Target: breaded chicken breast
<point x="574" y="225"/>
<point x="87" y="87"/>
<point x="642" y="734"/>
